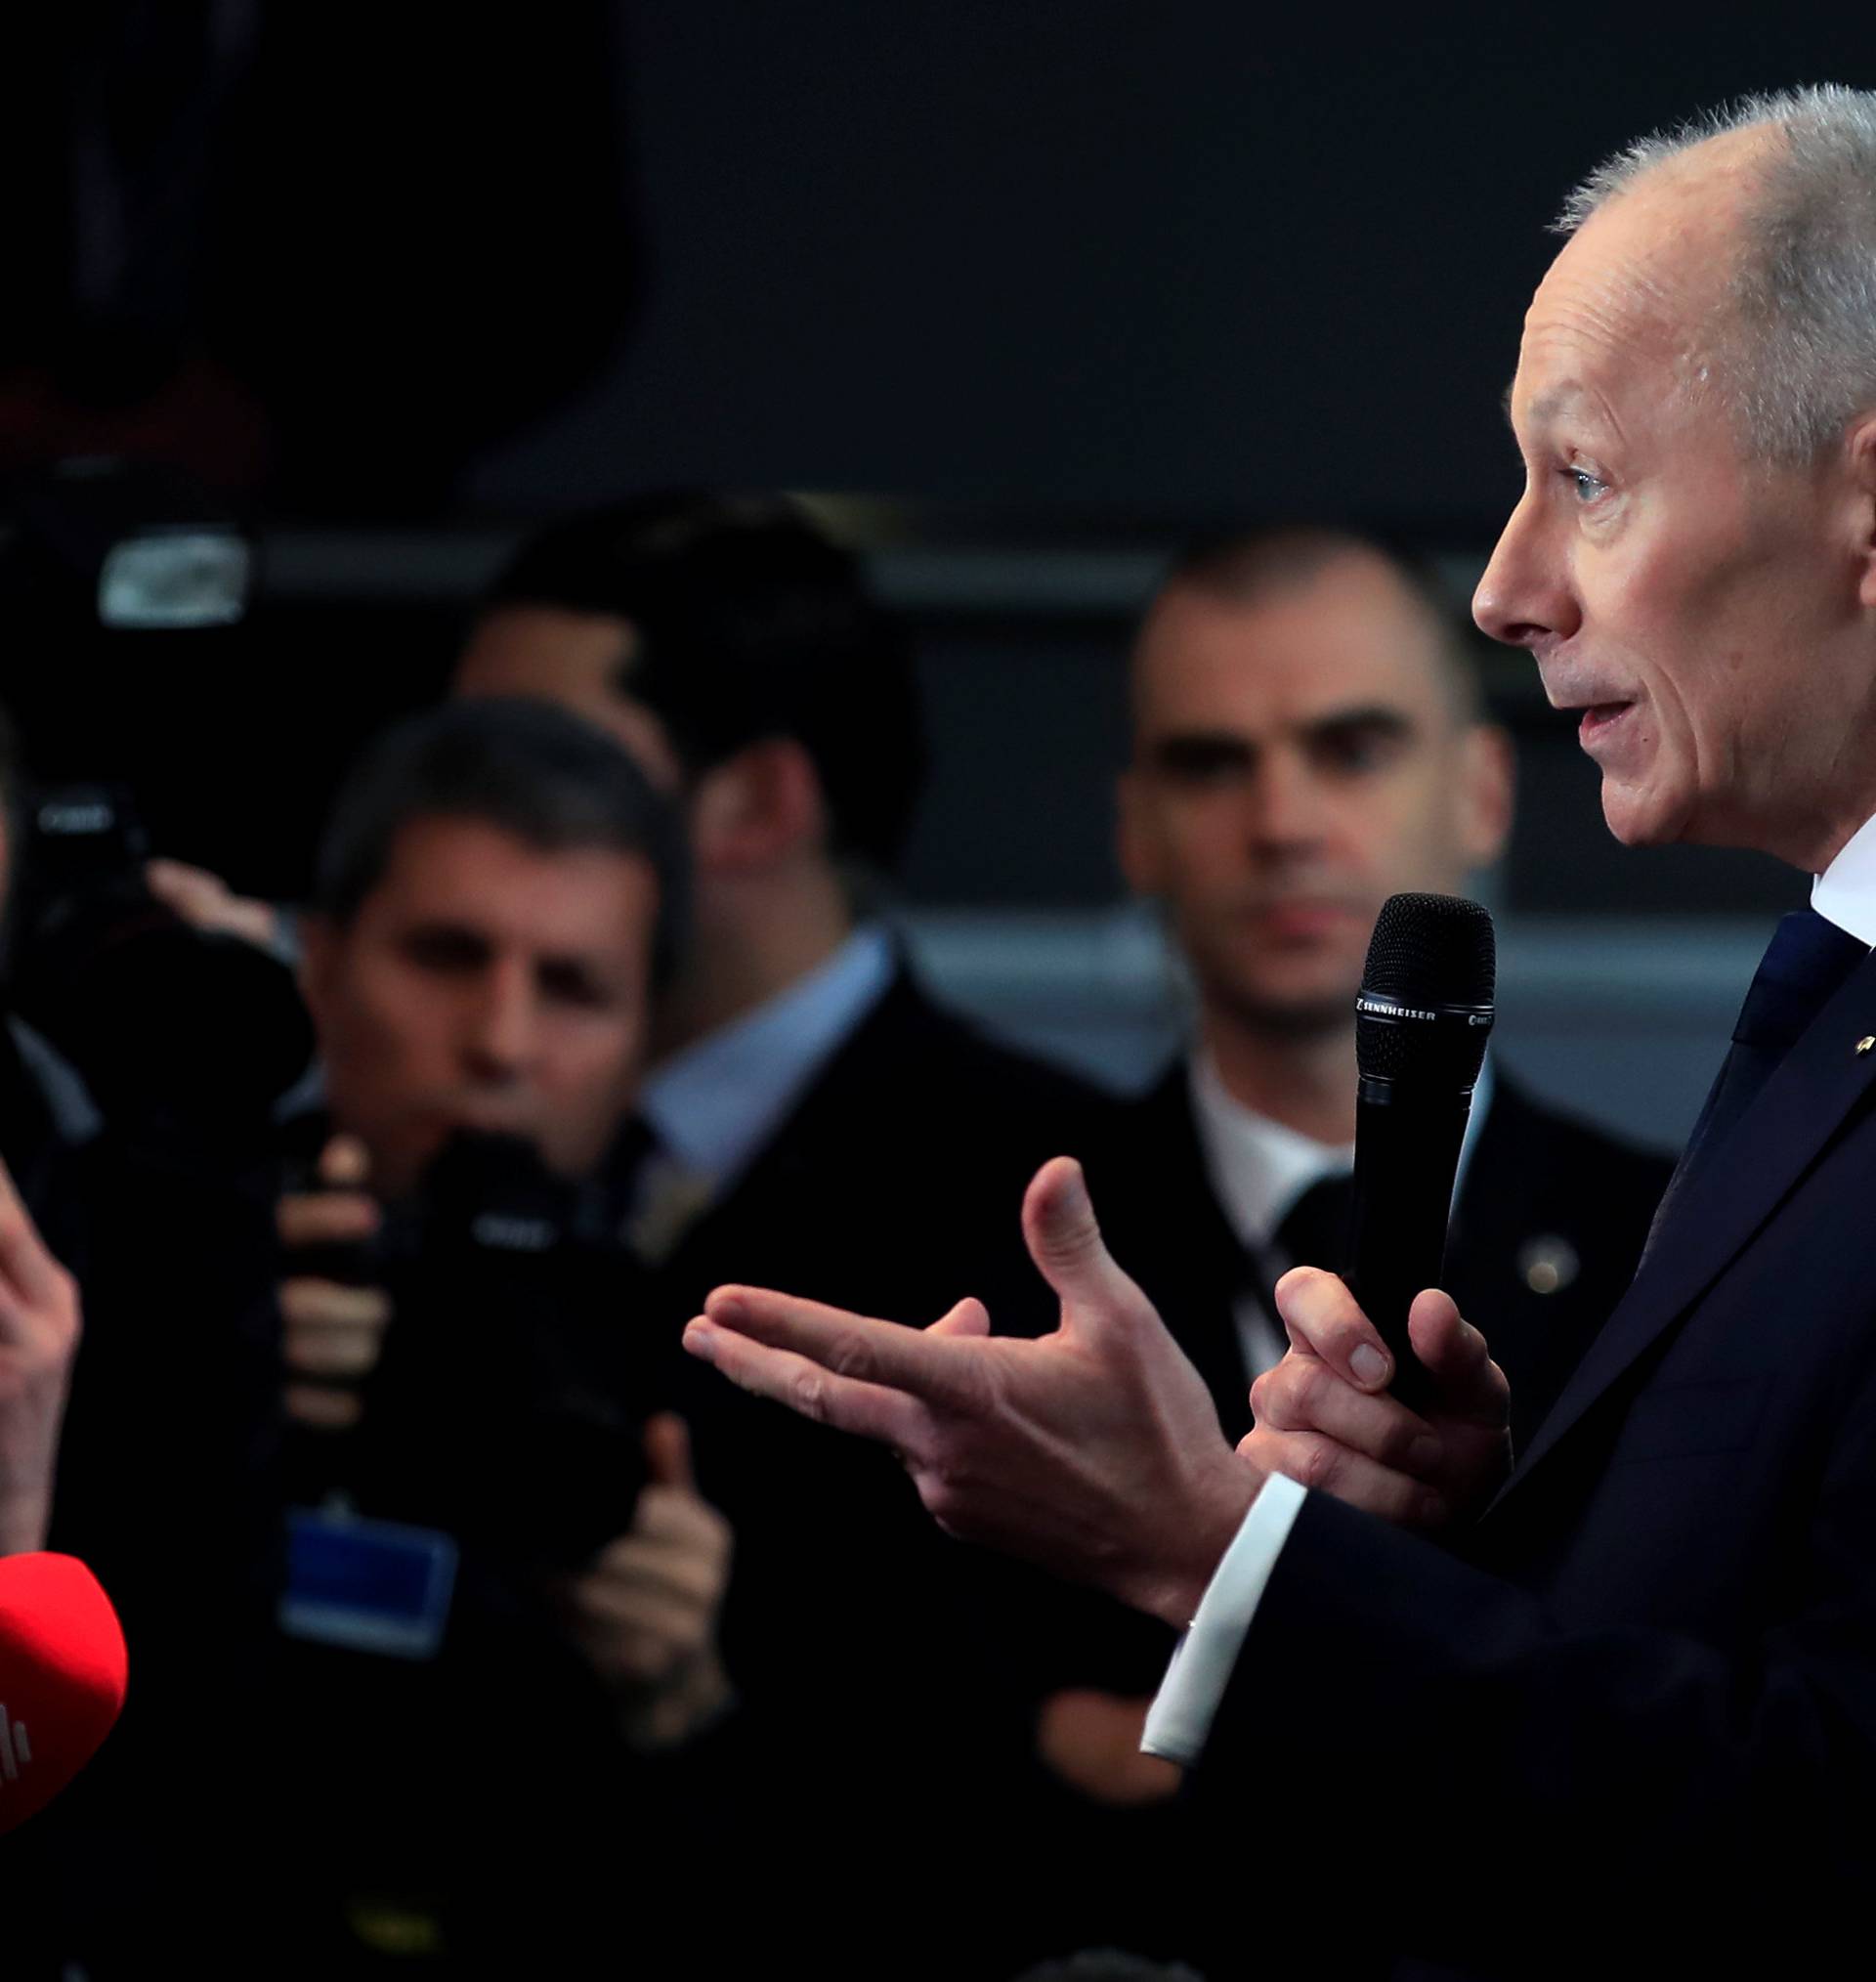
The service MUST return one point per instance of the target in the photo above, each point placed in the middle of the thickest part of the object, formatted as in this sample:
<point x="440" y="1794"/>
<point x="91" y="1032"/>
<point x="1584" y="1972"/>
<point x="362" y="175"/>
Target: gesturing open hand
<point x="1095" y="1450"/>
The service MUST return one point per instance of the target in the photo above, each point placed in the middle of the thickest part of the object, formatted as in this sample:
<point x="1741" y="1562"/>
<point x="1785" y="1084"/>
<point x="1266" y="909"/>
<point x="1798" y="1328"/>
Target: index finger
<point x="934" y="1368"/>
<point x="869" y="1409"/>
<point x="325" y="1218"/>
<point x="1324" y="1318"/>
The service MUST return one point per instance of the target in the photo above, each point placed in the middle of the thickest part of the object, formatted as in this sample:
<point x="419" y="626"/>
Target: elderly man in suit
<point x="1620" y="1698"/>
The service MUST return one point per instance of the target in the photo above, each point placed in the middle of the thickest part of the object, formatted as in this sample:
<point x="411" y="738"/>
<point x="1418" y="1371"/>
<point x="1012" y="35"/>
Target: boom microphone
<point x="61" y="1677"/>
<point x="1422" y="1018"/>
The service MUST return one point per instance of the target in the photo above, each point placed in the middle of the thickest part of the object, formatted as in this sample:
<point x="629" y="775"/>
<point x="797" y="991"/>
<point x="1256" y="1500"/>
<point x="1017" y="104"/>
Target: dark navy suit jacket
<point x="1632" y="1714"/>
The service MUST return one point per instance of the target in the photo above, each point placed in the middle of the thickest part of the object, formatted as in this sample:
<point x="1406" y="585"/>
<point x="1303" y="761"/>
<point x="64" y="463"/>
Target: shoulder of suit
<point x="1518" y="1117"/>
<point x="926" y="1041"/>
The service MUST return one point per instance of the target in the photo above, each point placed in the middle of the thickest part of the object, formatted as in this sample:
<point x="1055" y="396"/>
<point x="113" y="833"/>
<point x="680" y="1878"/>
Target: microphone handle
<point x="1407" y="1143"/>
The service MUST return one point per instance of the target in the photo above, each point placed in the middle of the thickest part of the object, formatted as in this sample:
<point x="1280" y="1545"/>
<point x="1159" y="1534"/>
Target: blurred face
<point x="1702" y="612"/>
<point x="576" y="658"/>
<point x="485" y="985"/>
<point x="1297" y="759"/>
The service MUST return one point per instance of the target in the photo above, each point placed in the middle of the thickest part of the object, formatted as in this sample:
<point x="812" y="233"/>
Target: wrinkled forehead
<point x="1643" y="296"/>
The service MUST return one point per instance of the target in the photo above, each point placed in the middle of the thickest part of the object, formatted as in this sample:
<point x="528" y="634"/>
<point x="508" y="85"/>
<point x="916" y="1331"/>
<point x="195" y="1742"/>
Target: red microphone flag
<point x="63" y="1671"/>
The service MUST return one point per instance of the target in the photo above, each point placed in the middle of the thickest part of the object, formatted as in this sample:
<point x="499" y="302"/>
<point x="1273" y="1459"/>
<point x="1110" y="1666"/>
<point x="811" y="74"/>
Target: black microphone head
<point x="1425" y="1007"/>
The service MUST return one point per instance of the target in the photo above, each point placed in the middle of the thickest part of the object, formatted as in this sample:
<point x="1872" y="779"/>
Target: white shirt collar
<point x="1844" y="893"/>
<point x="718" y="1101"/>
<point x="1260" y="1168"/>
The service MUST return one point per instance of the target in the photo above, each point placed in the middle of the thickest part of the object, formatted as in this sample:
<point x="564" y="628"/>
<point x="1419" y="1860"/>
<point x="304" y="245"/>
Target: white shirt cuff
<point x="1187" y="1703"/>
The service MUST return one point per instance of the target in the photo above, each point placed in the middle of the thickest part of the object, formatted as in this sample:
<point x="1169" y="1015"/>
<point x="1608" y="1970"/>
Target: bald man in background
<point x="1308" y="741"/>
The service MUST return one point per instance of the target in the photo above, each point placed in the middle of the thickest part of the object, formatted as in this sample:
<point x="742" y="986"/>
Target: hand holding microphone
<point x="1388" y="1398"/>
<point x="1326" y="1419"/>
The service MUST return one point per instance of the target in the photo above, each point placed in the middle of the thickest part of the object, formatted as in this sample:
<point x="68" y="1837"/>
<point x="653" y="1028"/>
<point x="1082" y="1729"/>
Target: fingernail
<point x="1369" y="1365"/>
<point x="727" y="1309"/>
<point x="1425" y="1454"/>
<point x="700" y="1338"/>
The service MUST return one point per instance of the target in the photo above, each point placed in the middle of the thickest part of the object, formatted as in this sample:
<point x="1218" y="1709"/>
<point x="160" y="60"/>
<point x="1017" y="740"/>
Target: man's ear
<point x="757" y="810"/>
<point x="1487" y="788"/>
<point x="1860" y="453"/>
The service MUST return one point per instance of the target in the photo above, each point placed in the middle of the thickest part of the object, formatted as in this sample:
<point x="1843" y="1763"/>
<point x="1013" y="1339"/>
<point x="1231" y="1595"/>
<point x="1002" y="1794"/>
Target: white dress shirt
<point x="1844" y="893"/>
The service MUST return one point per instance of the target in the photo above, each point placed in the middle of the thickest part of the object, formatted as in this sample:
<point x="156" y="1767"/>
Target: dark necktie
<point x="1314" y="1232"/>
<point x="1806" y="964"/>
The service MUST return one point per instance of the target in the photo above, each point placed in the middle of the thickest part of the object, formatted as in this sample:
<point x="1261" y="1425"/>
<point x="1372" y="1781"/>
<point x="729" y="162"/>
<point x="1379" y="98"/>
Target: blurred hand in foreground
<point x="38" y="1338"/>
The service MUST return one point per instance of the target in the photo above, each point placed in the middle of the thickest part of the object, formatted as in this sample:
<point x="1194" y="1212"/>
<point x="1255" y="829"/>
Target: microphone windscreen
<point x="1427" y="989"/>
<point x="1431" y="948"/>
<point x="63" y="1673"/>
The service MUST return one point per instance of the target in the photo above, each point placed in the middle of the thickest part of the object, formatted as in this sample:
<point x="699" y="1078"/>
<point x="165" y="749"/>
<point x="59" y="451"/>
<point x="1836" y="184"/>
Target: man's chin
<point x="1640" y="817"/>
<point x="1299" y="1016"/>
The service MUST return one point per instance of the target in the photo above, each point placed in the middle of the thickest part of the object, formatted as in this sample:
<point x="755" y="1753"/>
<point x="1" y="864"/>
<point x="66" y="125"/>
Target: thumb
<point x="1065" y="1241"/>
<point x="344" y="1163"/>
<point x="969" y="1318"/>
<point x="667" y="1453"/>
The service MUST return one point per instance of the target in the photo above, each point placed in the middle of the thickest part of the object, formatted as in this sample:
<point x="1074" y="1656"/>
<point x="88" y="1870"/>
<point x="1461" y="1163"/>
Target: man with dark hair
<point x="803" y="1078"/>
<point x="737" y="654"/>
<point x="478" y="1382"/>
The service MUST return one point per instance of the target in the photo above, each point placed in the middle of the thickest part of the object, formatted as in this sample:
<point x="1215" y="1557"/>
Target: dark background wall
<point x="1114" y="259"/>
<point x="1031" y="288"/>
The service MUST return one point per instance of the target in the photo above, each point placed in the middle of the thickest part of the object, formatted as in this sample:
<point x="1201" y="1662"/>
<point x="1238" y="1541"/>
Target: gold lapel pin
<point x="1867" y="1043"/>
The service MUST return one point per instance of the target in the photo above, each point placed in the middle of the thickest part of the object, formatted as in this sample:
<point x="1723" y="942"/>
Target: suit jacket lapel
<point x="1217" y="1273"/>
<point x="1725" y="1204"/>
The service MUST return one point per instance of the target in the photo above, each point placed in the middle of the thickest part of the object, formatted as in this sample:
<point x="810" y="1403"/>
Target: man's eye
<point x="1365" y="748"/>
<point x="1198" y="764"/>
<point x="445" y="950"/>
<point x="1587" y="487"/>
<point x="569" y="985"/>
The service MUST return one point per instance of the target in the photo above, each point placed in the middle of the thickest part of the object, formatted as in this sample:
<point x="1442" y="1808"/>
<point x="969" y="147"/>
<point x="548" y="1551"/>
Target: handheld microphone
<point x="61" y="1677"/>
<point x="1422" y="1018"/>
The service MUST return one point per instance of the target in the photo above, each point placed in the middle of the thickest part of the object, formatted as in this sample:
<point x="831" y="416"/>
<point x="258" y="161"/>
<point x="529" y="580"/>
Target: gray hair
<point x="1800" y="351"/>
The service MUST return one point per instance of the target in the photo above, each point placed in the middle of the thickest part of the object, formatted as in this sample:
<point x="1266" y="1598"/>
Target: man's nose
<point x="1286" y="801"/>
<point x="1525" y="597"/>
<point x="504" y="1027"/>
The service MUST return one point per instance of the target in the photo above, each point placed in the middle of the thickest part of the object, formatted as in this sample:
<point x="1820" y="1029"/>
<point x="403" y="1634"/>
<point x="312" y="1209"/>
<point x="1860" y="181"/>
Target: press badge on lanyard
<point x="366" y="1586"/>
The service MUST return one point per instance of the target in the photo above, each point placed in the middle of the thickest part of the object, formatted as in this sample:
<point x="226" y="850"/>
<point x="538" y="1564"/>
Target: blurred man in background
<point x="800" y="1071"/>
<point x="803" y="1074"/>
<point x="494" y="1508"/>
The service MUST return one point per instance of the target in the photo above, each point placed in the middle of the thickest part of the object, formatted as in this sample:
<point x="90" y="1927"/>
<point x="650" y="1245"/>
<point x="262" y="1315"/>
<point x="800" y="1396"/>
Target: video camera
<point x="151" y="1012"/>
<point x="120" y="576"/>
<point x="508" y="1404"/>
